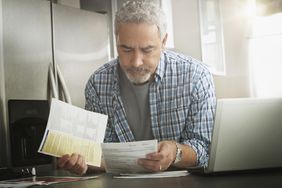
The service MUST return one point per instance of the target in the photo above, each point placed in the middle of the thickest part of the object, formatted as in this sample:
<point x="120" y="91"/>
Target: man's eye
<point x="147" y="51"/>
<point x="127" y="50"/>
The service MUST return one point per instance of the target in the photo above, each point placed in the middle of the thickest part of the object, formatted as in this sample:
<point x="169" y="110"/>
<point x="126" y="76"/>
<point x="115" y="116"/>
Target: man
<point x="151" y="93"/>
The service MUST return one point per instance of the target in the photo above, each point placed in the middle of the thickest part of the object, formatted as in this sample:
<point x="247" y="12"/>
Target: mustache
<point x="138" y="69"/>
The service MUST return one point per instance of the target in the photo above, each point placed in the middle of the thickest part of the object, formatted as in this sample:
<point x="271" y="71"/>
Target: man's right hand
<point x="74" y="163"/>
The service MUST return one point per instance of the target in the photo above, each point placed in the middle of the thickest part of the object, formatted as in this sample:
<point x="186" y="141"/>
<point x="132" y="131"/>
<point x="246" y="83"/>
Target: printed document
<point x="165" y="174"/>
<point x="122" y="157"/>
<point x="41" y="180"/>
<point x="71" y="129"/>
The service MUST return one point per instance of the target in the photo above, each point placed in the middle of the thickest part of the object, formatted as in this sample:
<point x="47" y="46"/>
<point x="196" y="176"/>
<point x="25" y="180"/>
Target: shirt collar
<point x="160" y="68"/>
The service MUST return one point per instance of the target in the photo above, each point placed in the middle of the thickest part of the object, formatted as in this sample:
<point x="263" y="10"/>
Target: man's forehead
<point x="137" y="26"/>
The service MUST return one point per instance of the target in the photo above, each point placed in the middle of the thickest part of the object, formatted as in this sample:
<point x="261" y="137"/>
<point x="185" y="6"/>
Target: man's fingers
<point x="71" y="162"/>
<point x="80" y="167"/>
<point x="74" y="163"/>
<point x="160" y="160"/>
<point x="155" y="156"/>
<point x="62" y="161"/>
<point x="150" y="165"/>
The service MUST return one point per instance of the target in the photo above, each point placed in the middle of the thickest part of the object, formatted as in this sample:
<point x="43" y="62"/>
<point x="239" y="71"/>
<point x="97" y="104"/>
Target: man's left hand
<point x="161" y="160"/>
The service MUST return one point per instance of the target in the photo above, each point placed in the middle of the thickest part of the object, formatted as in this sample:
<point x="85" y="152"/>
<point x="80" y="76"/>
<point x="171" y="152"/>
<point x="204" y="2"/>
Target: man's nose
<point x="137" y="59"/>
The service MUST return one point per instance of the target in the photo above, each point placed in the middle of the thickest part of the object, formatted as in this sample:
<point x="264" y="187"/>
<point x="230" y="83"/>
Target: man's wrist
<point x="178" y="153"/>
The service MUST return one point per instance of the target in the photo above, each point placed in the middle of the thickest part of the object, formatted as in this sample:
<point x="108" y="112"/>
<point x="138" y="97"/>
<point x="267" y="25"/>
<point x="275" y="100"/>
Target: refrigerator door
<point x="25" y="56"/>
<point x="81" y="45"/>
<point x="27" y="48"/>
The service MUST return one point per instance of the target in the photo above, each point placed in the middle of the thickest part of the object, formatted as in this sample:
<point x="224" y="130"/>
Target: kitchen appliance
<point x="46" y="49"/>
<point x="27" y="123"/>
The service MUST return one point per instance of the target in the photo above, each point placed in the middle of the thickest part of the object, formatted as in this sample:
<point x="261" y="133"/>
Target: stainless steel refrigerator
<point x="46" y="48"/>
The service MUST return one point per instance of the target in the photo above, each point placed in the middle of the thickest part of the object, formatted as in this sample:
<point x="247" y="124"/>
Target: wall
<point x="235" y="28"/>
<point x="186" y="27"/>
<point x="187" y="40"/>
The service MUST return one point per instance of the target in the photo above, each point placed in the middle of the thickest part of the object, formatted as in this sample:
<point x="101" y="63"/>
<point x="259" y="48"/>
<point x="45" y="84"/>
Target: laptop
<point x="247" y="135"/>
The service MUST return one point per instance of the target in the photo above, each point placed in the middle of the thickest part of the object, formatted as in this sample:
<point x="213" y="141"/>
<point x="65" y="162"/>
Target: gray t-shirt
<point x="136" y="104"/>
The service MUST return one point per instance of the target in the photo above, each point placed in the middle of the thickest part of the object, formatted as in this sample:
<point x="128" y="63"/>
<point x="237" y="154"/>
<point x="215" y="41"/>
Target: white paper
<point x="41" y="180"/>
<point x="122" y="157"/>
<point x="165" y="174"/>
<point x="71" y="129"/>
<point x="17" y="185"/>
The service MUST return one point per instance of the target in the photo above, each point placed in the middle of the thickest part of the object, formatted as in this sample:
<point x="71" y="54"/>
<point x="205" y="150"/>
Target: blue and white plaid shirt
<point x="181" y="98"/>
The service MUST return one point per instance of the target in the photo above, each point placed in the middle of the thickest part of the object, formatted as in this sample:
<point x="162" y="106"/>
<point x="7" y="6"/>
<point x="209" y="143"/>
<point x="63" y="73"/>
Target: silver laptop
<point x="247" y="135"/>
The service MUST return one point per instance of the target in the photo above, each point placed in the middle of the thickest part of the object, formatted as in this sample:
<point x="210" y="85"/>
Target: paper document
<point x="41" y="180"/>
<point x="165" y="174"/>
<point x="71" y="129"/>
<point x="122" y="157"/>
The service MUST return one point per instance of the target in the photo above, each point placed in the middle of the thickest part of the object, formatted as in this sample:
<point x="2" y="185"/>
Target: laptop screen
<point x="247" y="134"/>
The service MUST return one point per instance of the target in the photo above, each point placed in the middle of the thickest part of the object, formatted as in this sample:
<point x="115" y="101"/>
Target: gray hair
<point x="141" y="12"/>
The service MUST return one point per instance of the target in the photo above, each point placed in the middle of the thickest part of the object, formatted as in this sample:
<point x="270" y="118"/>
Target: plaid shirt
<point x="181" y="98"/>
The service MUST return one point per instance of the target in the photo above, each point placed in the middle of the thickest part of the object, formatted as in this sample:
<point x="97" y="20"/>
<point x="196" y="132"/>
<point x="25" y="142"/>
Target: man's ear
<point x="164" y="41"/>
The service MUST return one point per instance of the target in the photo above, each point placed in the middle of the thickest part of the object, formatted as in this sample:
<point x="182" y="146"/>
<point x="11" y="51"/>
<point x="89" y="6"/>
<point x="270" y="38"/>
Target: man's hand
<point x="161" y="160"/>
<point x="74" y="163"/>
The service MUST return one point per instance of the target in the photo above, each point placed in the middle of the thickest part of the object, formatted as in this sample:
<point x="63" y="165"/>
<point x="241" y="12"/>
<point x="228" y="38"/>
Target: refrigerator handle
<point x="62" y="82"/>
<point x="52" y="82"/>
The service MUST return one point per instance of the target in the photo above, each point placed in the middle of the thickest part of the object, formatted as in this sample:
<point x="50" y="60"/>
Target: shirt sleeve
<point x="93" y="103"/>
<point x="201" y="118"/>
<point x="91" y="98"/>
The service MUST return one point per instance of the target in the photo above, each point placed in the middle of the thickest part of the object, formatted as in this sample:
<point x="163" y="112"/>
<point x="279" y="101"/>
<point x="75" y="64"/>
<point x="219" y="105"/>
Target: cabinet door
<point x="27" y="48"/>
<point x="81" y="45"/>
